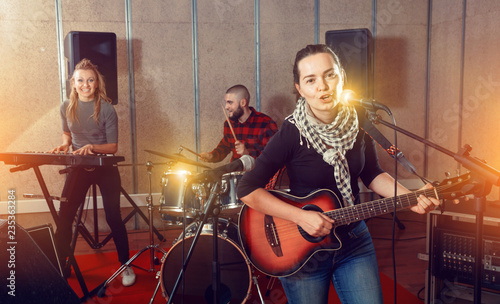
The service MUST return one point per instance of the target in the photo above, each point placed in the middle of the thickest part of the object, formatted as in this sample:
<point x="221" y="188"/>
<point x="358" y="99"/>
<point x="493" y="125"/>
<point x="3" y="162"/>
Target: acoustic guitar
<point x="280" y="248"/>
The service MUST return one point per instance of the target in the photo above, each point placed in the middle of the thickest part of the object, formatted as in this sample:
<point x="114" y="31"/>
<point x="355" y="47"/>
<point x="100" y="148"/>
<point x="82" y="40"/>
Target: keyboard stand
<point x="46" y="195"/>
<point x="50" y="203"/>
<point x="93" y="241"/>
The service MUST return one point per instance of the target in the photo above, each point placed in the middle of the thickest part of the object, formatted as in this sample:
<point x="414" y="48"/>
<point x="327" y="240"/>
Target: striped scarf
<point x="331" y="141"/>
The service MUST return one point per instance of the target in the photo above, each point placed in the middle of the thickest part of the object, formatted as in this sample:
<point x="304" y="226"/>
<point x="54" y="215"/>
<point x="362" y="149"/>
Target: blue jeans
<point x="353" y="270"/>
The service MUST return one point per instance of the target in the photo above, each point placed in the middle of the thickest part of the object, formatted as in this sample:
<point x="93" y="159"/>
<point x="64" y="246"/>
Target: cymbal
<point x="179" y="158"/>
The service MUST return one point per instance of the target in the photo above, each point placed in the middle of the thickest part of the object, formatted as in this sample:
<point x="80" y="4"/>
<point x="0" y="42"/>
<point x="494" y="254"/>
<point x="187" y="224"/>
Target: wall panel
<point x="29" y="89"/>
<point x="285" y="28"/>
<point x="163" y="84"/>
<point x="481" y="106"/>
<point x="400" y="71"/>
<point x="445" y="85"/>
<point x="163" y="66"/>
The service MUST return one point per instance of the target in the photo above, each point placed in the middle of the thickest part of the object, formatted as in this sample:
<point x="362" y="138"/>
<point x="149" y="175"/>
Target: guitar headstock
<point x="456" y="187"/>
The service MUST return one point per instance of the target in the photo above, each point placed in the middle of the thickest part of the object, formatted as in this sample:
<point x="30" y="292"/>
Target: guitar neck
<point x="347" y="215"/>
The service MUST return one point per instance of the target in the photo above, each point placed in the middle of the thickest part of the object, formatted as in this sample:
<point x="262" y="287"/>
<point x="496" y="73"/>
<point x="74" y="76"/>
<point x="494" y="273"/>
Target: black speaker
<point x="355" y="50"/>
<point x="44" y="237"/>
<point x="27" y="274"/>
<point x="98" y="47"/>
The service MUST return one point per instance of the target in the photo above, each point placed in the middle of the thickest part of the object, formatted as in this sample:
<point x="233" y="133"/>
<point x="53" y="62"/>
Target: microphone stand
<point x="484" y="177"/>
<point x="210" y="209"/>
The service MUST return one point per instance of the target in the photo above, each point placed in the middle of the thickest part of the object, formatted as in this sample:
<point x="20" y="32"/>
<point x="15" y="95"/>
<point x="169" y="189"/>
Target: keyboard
<point x="59" y="159"/>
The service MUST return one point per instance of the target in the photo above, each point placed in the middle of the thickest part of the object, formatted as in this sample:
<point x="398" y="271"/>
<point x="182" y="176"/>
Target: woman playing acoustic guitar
<point x="322" y="147"/>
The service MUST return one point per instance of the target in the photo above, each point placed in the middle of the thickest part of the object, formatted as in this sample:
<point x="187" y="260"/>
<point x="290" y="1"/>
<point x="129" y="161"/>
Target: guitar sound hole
<point x="306" y="235"/>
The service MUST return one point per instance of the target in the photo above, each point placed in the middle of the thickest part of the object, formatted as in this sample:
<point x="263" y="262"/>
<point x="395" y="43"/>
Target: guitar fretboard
<point x="347" y="215"/>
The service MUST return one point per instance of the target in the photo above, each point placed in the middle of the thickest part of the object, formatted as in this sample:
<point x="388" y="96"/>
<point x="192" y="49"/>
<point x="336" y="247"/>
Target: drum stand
<point x="151" y="247"/>
<point x="212" y="211"/>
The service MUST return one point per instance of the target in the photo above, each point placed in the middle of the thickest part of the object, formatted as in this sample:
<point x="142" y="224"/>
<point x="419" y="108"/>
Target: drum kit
<point x="183" y="199"/>
<point x="189" y="273"/>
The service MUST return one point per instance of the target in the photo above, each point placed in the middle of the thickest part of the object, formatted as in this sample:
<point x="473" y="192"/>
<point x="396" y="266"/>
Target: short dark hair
<point x="240" y="90"/>
<point x="309" y="50"/>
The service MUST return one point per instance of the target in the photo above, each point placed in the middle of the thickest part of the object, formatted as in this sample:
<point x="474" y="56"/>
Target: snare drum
<point x="177" y="195"/>
<point x="230" y="204"/>
<point x="235" y="271"/>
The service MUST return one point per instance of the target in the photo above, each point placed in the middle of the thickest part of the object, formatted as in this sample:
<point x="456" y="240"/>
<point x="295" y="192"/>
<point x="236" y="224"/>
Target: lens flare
<point x="347" y="95"/>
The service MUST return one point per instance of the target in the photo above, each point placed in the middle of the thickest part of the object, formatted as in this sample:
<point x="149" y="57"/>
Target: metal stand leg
<point x="151" y="247"/>
<point x="215" y="267"/>
<point x="256" y="283"/>
<point x="156" y="289"/>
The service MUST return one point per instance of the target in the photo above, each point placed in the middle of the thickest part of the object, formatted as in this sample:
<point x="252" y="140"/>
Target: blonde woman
<point x="90" y="126"/>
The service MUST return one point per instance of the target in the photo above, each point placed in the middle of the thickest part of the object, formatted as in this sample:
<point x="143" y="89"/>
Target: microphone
<point x="244" y="163"/>
<point x="370" y="104"/>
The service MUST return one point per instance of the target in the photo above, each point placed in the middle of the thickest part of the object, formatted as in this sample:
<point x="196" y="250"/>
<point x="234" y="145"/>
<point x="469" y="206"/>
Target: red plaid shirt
<point x="255" y="132"/>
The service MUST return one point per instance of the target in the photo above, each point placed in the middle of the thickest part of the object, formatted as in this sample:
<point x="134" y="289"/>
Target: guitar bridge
<point x="272" y="235"/>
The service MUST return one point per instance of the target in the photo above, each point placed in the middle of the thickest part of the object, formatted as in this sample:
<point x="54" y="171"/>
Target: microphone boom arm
<point x="474" y="164"/>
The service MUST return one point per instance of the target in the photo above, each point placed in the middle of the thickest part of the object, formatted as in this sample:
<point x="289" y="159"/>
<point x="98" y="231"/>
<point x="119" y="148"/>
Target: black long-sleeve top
<point x="306" y="168"/>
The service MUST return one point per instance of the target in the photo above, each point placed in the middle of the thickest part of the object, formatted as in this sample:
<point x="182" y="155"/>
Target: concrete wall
<point x="438" y="97"/>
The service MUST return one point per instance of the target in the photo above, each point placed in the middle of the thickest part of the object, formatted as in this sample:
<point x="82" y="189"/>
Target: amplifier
<point x="451" y="243"/>
<point x="455" y="260"/>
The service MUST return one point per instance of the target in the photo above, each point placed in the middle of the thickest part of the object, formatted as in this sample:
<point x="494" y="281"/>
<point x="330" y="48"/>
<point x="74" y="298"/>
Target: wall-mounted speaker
<point x="98" y="47"/>
<point x="355" y="50"/>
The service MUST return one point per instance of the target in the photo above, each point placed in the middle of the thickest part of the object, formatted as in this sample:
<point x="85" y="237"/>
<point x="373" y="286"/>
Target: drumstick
<point x="228" y="122"/>
<point x="190" y="150"/>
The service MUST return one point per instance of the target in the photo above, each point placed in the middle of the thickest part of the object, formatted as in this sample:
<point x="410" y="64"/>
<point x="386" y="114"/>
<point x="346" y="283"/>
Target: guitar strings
<point x="352" y="213"/>
<point x="348" y="214"/>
